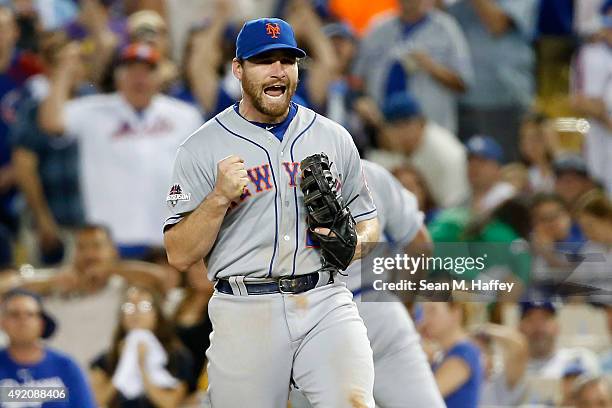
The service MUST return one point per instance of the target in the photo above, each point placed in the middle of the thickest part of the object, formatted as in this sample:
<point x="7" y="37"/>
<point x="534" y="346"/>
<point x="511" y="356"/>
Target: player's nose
<point x="277" y="69"/>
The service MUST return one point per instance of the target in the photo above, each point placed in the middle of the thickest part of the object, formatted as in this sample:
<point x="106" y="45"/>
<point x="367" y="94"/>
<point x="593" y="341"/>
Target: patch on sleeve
<point x="176" y="194"/>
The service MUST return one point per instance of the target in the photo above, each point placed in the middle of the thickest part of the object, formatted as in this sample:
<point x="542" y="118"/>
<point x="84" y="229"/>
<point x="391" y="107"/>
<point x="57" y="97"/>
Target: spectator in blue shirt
<point x="458" y="370"/>
<point x="27" y="362"/>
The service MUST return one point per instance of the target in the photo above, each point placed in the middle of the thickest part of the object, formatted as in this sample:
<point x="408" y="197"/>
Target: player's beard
<point x="265" y="104"/>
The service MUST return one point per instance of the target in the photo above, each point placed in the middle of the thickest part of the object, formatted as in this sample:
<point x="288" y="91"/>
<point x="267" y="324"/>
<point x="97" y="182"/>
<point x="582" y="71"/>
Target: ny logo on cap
<point x="273" y="30"/>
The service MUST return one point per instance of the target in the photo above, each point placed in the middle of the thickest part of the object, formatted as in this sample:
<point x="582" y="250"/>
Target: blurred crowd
<point x="496" y="114"/>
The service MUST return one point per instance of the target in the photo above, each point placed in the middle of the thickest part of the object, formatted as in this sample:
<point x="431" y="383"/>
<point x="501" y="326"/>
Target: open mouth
<point x="275" y="91"/>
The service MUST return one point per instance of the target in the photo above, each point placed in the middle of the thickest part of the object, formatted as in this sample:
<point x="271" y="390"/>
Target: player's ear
<point x="237" y="68"/>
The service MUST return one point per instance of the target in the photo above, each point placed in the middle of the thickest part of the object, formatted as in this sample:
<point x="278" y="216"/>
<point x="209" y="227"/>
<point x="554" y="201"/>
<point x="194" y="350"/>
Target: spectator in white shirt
<point x="126" y="140"/>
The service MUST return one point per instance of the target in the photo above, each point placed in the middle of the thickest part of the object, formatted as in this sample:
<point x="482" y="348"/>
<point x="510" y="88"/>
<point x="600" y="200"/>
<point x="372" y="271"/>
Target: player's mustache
<point x="277" y="83"/>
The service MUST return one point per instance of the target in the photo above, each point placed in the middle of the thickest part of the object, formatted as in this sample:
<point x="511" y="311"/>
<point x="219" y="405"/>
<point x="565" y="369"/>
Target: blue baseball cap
<point x="266" y="34"/>
<point x="526" y="307"/>
<point x="486" y="147"/>
<point x="573" y="369"/>
<point x="401" y="105"/>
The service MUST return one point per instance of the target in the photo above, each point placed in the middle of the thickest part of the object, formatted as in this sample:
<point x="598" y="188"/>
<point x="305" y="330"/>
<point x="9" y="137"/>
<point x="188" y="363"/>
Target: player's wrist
<point x="219" y="198"/>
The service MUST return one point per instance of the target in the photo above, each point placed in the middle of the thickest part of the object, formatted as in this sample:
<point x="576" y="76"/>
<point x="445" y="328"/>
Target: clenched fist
<point x="232" y="177"/>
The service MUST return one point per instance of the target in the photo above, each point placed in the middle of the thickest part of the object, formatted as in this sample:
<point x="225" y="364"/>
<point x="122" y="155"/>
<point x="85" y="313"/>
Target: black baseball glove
<point x="326" y="209"/>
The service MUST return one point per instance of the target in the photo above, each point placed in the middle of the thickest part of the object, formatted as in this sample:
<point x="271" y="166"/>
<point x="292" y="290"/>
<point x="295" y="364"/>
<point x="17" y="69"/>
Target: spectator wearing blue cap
<point x="28" y="362"/>
<point x="540" y="326"/>
<point x="422" y="50"/>
<point x="592" y="97"/>
<point x="408" y="137"/>
<point x="485" y="159"/>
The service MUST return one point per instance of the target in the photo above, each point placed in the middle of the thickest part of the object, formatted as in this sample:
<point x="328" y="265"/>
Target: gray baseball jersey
<point x="398" y="215"/>
<point x="265" y="233"/>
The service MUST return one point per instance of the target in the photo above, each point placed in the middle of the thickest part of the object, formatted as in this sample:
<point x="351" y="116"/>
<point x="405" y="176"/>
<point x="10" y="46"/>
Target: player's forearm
<point x="189" y="241"/>
<point x="367" y="235"/>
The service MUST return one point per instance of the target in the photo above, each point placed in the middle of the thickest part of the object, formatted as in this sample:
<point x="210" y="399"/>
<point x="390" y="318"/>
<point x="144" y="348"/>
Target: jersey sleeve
<point x="190" y="186"/>
<point x="354" y="185"/>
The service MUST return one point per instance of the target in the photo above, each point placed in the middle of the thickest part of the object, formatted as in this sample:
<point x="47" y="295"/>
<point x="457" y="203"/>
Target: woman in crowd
<point x="457" y="368"/>
<point x="536" y="144"/>
<point x="146" y="366"/>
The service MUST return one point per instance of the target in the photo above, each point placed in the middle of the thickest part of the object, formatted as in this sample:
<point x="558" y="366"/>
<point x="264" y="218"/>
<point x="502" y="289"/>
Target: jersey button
<point x="286" y="238"/>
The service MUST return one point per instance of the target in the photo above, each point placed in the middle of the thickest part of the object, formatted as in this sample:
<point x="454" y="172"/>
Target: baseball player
<point x="279" y="313"/>
<point x="402" y="374"/>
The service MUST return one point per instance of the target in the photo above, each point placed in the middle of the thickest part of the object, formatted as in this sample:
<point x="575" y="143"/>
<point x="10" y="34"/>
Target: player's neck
<point x="250" y="113"/>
